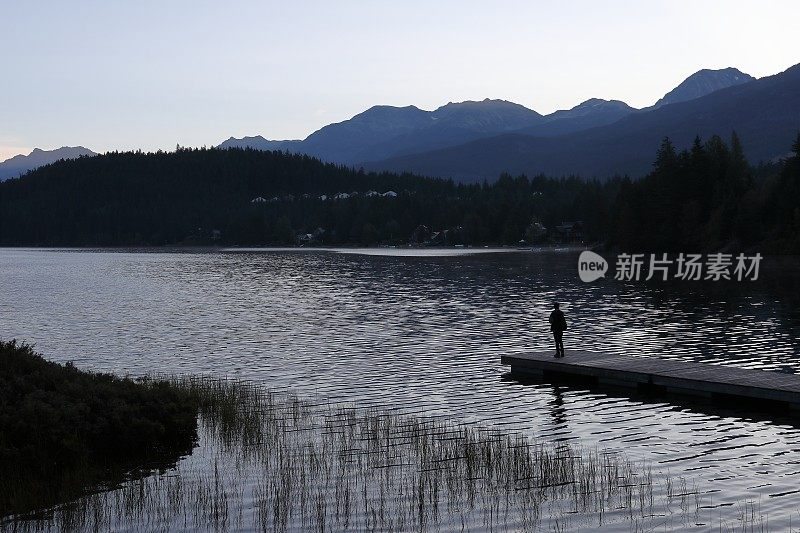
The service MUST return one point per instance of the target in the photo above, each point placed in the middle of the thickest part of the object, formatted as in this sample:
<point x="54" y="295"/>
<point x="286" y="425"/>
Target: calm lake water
<point x="424" y="331"/>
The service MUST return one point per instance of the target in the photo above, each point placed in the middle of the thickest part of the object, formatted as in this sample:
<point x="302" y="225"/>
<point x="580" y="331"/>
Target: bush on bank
<point x="55" y="418"/>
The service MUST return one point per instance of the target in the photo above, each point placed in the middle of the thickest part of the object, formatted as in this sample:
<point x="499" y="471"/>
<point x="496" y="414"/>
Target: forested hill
<point x="135" y="198"/>
<point x="250" y="197"/>
<point x="704" y="198"/>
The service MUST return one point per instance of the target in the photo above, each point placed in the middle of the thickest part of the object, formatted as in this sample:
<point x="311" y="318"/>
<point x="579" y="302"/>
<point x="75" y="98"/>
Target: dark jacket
<point x="557" y="321"/>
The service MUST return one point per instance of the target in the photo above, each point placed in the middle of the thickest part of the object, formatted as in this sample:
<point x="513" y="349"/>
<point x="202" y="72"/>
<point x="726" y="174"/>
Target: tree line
<point x="708" y="197"/>
<point x="705" y="197"/>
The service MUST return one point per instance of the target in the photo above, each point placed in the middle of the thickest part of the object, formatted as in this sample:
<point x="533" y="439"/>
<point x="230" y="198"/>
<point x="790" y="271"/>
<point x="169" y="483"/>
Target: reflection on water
<point x="278" y="463"/>
<point x="426" y="333"/>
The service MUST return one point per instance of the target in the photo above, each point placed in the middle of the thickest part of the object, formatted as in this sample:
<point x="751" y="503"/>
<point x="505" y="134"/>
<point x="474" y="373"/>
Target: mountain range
<point x="20" y="164"/>
<point x="765" y="114"/>
<point x="477" y="140"/>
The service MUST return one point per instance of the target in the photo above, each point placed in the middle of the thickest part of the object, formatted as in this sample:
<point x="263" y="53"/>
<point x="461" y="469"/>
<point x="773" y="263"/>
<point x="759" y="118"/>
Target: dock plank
<point x="687" y="376"/>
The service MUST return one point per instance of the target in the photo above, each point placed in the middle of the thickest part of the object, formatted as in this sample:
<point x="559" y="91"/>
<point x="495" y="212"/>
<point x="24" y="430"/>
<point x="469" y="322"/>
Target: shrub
<point x="55" y="418"/>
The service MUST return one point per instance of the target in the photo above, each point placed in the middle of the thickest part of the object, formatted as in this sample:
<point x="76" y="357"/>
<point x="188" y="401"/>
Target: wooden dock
<point x="662" y="375"/>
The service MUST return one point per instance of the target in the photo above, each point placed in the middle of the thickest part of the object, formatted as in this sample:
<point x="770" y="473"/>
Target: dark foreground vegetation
<point x="270" y="461"/>
<point x="708" y="197"/>
<point x="63" y="430"/>
<point x="273" y="462"/>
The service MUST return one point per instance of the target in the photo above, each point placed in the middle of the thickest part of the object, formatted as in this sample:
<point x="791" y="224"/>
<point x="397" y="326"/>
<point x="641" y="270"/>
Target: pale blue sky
<point x="125" y="75"/>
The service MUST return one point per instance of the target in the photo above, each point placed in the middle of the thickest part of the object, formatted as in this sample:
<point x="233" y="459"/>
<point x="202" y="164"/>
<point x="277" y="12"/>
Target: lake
<point x="423" y="330"/>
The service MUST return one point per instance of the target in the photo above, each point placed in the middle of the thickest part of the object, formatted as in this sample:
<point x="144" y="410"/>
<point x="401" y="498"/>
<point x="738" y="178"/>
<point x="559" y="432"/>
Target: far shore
<point x="345" y="248"/>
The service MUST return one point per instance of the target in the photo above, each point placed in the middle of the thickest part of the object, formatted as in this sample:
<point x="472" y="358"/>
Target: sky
<point x="122" y="75"/>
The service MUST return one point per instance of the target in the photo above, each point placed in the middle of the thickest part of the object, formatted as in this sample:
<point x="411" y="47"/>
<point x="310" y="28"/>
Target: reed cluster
<point x="272" y="461"/>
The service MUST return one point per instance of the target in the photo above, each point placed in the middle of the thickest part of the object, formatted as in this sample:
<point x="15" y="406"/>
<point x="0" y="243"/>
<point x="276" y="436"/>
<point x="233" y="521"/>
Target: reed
<point x="275" y="462"/>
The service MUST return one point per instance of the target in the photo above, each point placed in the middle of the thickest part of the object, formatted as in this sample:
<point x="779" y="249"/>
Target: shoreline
<point x="273" y="461"/>
<point x="343" y="248"/>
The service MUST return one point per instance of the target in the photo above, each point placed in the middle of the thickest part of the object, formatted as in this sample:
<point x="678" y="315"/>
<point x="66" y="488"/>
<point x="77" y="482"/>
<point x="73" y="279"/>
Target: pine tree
<point x="739" y="168"/>
<point x="666" y="157"/>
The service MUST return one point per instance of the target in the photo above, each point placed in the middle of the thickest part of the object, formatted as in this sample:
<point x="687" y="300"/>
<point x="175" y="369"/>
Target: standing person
<point x="558" y="325"/>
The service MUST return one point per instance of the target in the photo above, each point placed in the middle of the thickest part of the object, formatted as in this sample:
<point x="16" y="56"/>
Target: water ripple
<point x="424" y="332"/>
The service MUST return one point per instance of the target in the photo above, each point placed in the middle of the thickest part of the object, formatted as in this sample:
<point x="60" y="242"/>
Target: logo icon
<point x="591" y="266"/>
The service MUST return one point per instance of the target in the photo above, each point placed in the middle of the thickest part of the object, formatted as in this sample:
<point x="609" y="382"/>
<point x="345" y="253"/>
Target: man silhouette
<point x="558" y="324"/>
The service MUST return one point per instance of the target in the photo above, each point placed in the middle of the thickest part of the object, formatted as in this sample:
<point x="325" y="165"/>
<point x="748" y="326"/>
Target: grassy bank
<point x="63" y="430"/>
<point x="270" y="461"/>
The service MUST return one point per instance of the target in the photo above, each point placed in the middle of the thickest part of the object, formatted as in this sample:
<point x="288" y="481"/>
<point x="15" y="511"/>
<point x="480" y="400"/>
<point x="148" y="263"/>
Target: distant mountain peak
<point x="599" y="102"/>
<point x="410" y="113"/>
<point x="485" y="104"/>
<point x="258" y="142"/>
<point x="20" y="164"/>
<point x="591" y="112"/>
<point x="703" y="82"/>
<point x="384" y="108"/>
<point x="485" y="115"/>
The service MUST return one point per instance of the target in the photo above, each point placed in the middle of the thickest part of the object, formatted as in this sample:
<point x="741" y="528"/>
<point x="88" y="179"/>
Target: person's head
<point x="555" y="305"/>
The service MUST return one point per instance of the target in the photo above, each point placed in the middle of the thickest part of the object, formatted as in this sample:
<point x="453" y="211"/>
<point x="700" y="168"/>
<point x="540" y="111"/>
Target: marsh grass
<point x="274" y="462"/>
